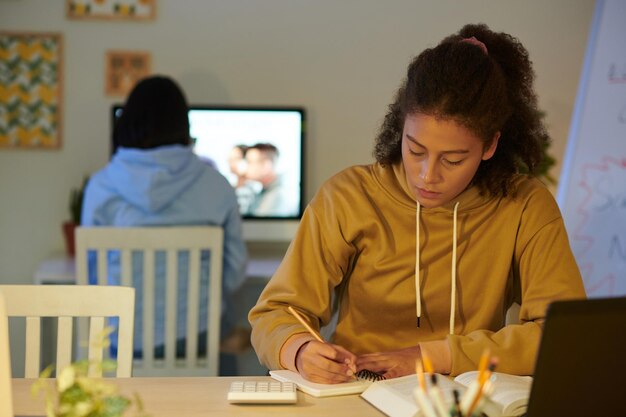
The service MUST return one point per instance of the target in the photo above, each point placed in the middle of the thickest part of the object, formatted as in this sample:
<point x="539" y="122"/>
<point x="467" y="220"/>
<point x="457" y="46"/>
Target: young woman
<point x="426" y="249"/>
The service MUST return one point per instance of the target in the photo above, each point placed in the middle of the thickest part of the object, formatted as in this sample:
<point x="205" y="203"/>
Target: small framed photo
<point x="111" y="9"/>
<point x="123" y="70"/>
<point x="31" y="102"/>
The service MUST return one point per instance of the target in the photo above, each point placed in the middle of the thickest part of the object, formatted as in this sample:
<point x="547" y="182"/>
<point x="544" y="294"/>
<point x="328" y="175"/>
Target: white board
<point x="592" y="188"/>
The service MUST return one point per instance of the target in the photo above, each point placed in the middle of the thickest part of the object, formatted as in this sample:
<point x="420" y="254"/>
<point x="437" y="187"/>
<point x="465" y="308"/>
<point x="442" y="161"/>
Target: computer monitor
<point x="266" y="137"/>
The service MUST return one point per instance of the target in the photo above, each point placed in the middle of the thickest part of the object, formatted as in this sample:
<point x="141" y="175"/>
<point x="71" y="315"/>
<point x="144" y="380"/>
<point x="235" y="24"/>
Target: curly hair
<point x="486" y="92"/>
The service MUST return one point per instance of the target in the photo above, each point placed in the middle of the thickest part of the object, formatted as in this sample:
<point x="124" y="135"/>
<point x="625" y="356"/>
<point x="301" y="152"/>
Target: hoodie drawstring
<point x="418" y="297"/>
<point x="453" y="273"/>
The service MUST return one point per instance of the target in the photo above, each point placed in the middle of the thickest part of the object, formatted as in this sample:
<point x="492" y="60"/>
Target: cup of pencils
<point x="434" y="402"/>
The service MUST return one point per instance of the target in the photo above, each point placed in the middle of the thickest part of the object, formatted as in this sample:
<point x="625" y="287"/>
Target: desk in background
<point x="204" y="396"/>
<point x="62" y="269"/>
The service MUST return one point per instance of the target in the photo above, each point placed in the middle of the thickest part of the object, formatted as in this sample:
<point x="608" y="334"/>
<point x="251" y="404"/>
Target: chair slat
<point x="102" y="267"/>
<point x="33" y="343"/>
<point x="64" y="342"/>
<point x="6" y="402"/>
<point x="126" y="268"/>
<point x="96" y="332"/>
<point x="215" y="304"/>
<point x="148" y="308"/>
<point x="171" y="282"/>
<point x="192" y="307"/>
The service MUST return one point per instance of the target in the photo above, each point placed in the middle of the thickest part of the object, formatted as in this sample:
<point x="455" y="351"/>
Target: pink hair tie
<point x="476" y="42"/>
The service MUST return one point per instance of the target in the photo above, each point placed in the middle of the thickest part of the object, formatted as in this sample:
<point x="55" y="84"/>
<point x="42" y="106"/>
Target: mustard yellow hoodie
<point x="357" y="244"/>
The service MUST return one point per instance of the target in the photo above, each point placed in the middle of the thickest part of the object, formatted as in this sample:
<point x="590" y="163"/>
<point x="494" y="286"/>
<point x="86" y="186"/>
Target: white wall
<point x="342" y="60"/>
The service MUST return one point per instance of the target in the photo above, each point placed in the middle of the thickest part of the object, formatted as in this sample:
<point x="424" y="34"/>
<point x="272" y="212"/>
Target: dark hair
<point x="484" y="92"/>
<point x="267" y="149"/>
<point x="155" y="114"/>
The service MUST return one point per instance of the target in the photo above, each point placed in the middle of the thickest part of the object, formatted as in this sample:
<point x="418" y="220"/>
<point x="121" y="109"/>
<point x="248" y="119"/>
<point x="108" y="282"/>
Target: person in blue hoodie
<point x="155" y="179"/>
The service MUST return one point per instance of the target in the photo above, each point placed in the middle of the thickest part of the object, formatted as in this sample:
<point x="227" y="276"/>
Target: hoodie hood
<point x="151" y="179"/>
<point x="393" y="182"/>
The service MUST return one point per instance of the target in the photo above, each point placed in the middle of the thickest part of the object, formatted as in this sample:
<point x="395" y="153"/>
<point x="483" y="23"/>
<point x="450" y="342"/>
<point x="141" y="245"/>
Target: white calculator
<point x="262" y="392"/>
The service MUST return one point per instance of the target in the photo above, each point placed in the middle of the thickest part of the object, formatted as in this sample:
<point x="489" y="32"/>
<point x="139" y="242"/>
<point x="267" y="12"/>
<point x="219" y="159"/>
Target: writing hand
<point x="391" y="364"/>
<point x="325" y="363"/>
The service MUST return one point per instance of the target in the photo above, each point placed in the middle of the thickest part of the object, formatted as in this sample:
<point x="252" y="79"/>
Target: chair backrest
<point x="194" y="240"/>
<point x="6" y="397"/>
<point x="67" y="302"/>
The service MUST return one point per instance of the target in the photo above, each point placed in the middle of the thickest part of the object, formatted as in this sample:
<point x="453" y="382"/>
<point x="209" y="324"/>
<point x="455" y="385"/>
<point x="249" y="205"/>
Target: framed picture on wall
<point x="31" y="75"/>
<point x="111" y="9"/>
<point x="123" y="70"/>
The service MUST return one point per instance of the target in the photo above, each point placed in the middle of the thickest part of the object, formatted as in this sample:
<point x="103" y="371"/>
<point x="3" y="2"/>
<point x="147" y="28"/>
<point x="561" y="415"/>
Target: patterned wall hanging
<point x="30" y="90"/>
<point x="123" y="70"/>
<point x="111" y="9"/>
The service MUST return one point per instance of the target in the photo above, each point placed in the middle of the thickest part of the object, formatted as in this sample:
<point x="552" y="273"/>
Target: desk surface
<point x="203" y="396"/>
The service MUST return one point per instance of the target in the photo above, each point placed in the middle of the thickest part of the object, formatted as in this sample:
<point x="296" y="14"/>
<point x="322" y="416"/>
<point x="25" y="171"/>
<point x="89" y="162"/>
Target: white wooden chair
<point x="6" y="396"/>
<point x="67" y="302"/>
<point x="171" y="240"/>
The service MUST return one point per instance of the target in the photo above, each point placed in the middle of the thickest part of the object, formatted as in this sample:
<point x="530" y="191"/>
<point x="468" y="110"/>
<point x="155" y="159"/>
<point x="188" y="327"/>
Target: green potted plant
<point x="76" y="207"/>
<point x="75" y="394"/>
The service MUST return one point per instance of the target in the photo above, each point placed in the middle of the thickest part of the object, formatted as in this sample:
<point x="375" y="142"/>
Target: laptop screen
<point x="581" y="363"/>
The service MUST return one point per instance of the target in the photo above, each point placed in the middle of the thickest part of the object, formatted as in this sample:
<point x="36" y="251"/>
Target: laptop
<point x="581" y="364"/>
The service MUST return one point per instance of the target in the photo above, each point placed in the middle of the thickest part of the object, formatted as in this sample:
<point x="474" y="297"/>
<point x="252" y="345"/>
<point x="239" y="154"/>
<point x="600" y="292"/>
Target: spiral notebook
<point x="325" y="390"/>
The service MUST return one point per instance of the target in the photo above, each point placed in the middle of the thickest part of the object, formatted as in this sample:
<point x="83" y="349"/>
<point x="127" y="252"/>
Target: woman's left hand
<point x="391" y="364"/>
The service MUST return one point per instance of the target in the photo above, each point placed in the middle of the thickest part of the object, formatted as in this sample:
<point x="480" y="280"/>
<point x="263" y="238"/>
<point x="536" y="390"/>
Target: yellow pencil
<point x="481" y="386"/>
<point x="482" y="365"/>
<point x="420" y="375"/>
<point x="305" y="324"/>
<point x="428" y="365"/>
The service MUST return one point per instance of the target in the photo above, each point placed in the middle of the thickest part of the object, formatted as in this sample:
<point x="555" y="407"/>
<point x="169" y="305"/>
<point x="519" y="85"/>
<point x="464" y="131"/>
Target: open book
<point x="395" y="397"/>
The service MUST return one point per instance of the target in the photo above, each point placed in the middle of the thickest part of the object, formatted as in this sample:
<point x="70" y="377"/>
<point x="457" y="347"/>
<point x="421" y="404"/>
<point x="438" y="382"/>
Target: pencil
<point x="457" y="403"/>
<point x="481" y="387"/>
<point x="437" y="397"/>
<point x="428" y="365"/>
<point x="482" y="364"/>
<point x="426" y="407"/>
<point x="420" y="375"/>
<point x="305" y="324"/>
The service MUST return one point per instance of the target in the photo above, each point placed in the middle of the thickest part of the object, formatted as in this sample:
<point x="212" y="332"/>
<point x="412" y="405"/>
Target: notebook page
<point x="320" y="390"/>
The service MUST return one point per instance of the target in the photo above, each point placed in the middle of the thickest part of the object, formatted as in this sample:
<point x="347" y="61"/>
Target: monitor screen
<point x="260" y="151"/>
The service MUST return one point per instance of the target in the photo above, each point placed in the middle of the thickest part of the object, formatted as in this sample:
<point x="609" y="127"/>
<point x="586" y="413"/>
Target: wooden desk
<point x="191" y="397"/>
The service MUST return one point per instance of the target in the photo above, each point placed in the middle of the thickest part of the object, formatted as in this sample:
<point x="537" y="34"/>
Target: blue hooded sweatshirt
<point x="168" y="185"/>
